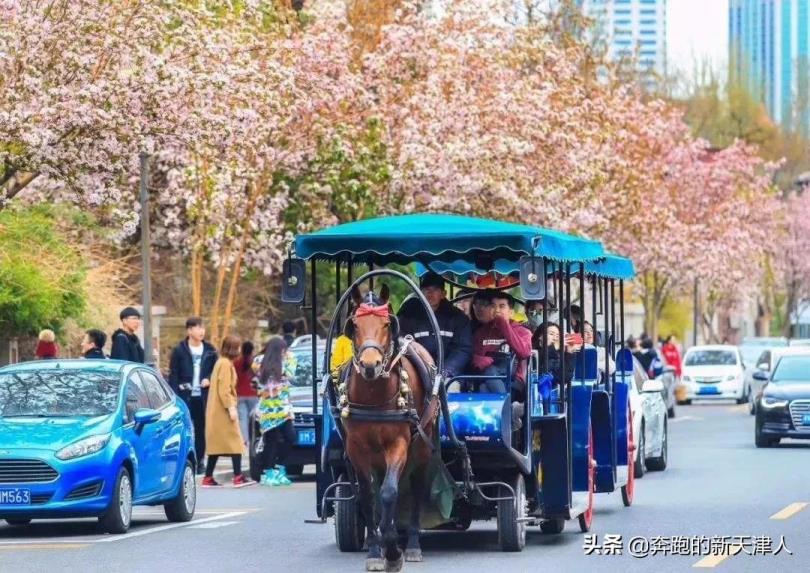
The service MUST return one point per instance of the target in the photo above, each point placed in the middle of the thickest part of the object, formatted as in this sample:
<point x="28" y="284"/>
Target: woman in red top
<point x="672" y="355"/>
<point x="245" y="391"/>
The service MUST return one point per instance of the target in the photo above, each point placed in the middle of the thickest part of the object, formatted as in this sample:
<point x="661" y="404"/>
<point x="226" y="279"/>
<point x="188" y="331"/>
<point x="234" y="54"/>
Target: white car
<point x="649" y="422"/>
<point x="714" y="372"/>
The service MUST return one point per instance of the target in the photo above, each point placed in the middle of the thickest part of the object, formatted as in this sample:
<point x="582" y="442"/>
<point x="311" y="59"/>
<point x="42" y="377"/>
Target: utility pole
<point x="695" y="316"/>
<point x="146" y="250"/>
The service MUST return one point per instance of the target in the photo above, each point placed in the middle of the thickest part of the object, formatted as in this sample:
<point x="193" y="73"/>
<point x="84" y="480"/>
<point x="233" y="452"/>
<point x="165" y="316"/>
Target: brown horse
<point x="382" y="401"/>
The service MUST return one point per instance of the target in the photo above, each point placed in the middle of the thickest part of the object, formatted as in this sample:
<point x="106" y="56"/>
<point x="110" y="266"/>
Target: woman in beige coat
<point x="222" y="435"/>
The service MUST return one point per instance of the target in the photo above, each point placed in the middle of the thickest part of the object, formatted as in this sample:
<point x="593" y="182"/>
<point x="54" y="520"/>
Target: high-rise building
<point x="631" y="29"/>
<point x="769" y="45"/>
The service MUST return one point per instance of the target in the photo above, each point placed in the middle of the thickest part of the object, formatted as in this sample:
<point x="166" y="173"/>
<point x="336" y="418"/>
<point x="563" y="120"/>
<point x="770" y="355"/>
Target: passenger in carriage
<point x="588" y="338"/>
<point x="481" y="309"/>
<point x="501" y="334"/>
<point x="454" y="325"/>
<point x="555" y="352"/>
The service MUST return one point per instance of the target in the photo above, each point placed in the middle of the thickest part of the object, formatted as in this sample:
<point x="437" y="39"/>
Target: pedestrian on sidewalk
<point x="222" y="435"/>
<point x="93" y="344"/>
<point x="245" y="390"/>
<point x="276" y="411"/>
<point x="125" y="343"/>
<point x="190" y="367"/>
<point x="47" y="348"/>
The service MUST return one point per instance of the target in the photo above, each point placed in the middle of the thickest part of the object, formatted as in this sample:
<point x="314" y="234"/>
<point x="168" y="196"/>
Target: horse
<point x="388" y="422"/>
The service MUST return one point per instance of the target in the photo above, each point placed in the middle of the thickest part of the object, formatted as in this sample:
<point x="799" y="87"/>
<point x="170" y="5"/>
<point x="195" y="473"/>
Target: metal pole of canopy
<point x="608" y="331"/>
<point x="371" y="279"/>
<point x="545" y="318"/>
<point x="561" y="318"/>
<point x="313" y="330"/>
<point x="613" y="313"/>
<point x="593" y="310"/>
<point x="582" y="318"/>
<point x="349" y="273"/>
<point x="337" y="282"/>
<point x="621" y="311"/>
<point x="569" y="394"/>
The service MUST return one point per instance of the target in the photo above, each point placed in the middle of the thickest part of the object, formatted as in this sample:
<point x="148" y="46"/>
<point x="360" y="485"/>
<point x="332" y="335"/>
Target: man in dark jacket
<point x="190" y="368"/>
<point x="453" y="323"/>
<point x="93" y="344"/>
<point x="125" y="343"/>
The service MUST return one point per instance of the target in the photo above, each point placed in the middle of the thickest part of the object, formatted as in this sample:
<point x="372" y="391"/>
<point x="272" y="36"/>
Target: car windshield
<point x="711" y="358"/>
<point x="750" y="354"/>
<point x="58" y="393"/>
<point x="792" y="369"/>
<point x="303" y="367"/>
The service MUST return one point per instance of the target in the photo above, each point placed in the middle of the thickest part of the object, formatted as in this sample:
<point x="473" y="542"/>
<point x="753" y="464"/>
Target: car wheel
<point x="761" y="440"/>
<point x="119" y="515"/>
<point x="181" y="508"/>
<point x="638" y="466"/>
<point x="256" y="467"/>
<point x="659" y="463"/>
<point x="17" y="521"/>
<point x="671" y="411"/>
<point x="552" y="526"/>
<point x="295" y="470"/>
<point x="752" y="405"/>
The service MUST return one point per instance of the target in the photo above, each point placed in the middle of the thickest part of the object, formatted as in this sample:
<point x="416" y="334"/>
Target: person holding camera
<point x="190" y="368"/>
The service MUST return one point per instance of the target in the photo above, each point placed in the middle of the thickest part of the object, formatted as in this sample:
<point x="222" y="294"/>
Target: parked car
<point x="783" y="408"/>
<point x="304" y="452"/>
<point x="714" y="372"/>
<point x="800" y="342"/>
<point x="92" y="438"/>
<point x="649" y="422"/>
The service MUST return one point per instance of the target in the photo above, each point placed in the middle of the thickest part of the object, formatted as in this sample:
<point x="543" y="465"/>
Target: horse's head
<point x="373" y="330"/>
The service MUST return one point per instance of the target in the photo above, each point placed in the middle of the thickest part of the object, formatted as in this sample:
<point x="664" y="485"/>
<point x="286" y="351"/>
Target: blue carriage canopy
<point x="609" y="266"/>
<point x="403" y="239"/>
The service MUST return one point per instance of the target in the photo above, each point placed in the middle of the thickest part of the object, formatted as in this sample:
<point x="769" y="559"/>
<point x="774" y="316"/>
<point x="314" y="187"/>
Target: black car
<point x="783" y="409"/>
<point x="304" y="452"/>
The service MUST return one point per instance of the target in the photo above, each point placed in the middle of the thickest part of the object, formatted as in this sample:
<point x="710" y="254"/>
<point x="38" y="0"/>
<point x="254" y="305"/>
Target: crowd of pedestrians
<point x="221" y="387"/>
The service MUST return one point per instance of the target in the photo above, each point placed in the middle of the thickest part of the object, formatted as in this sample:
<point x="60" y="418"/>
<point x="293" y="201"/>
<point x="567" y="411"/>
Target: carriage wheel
<point x="552" y="526"/>
<point x="630" y="486"/>
<point x="585" y="519"/>
<point x="511" y="527"/>
<point x="349" y="526"/>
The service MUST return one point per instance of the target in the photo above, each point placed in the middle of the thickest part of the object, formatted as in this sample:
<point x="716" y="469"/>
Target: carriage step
<point x="509" y="497"/>
<point x="326" y="499"/>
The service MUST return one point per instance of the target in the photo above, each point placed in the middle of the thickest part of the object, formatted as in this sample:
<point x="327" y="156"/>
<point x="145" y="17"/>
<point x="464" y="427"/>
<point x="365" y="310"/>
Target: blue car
<point x="92" y="438"/>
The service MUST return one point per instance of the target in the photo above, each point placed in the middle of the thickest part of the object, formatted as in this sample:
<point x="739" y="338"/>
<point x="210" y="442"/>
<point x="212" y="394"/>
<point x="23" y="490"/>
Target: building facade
<point x="769" y="45"/>
<point x="632" y="29"/>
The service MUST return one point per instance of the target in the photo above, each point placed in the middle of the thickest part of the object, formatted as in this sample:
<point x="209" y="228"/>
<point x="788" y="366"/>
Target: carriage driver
<point x="453" y="323"/>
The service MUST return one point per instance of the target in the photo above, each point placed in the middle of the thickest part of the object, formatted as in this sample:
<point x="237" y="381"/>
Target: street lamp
<point x="146" y="250"/>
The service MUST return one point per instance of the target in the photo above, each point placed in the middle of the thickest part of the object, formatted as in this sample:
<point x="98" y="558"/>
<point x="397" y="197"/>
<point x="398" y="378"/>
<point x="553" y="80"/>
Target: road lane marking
<point x="789" y="511"/>
<point x="714" y="560"/>
<point x="684" y="418"/>
<point x="213" y="525"/>
<point x="168" y="527"/>
<point x="130" y="535"/>
<point x="38" y="546"/>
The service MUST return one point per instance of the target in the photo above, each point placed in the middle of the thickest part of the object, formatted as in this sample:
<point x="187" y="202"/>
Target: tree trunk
<point x="251" y="205"/>
<point x="222" y="271"/>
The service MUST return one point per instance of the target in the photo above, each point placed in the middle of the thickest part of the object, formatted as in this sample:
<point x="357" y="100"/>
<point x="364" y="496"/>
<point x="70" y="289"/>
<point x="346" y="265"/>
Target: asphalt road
<point x="717" y="484"/>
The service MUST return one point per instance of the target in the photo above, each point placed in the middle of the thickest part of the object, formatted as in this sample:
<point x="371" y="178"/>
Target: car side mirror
<point x="764" y="366"/>
<point x="761" y="376"/>
<point x="653" y="385"/>
<point x="146" y="416"/>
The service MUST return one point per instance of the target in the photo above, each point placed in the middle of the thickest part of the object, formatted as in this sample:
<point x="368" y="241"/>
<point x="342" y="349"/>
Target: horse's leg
<point x="413" y="551"/>
<point x="374" y="559"/>
<point x="395" y="462"/>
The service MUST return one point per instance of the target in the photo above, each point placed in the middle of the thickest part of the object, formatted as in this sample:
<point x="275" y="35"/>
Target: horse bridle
<point x="370" y="344"/>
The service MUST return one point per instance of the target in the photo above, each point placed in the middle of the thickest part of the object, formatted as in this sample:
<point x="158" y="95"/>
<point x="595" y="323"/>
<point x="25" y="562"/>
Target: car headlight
<point x="731" y="378"/>
<point x="773" y="403"/>
<point x="83" y="447"/>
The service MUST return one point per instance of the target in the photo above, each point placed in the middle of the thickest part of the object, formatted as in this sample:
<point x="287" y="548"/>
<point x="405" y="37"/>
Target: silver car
<point x="649" y="422"/>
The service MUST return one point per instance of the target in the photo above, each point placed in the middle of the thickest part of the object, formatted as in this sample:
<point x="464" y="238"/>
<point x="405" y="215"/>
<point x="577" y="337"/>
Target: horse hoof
<point x="394" y="565"/>
<point x="376" y="564"/>
<point x="413" y="555"/>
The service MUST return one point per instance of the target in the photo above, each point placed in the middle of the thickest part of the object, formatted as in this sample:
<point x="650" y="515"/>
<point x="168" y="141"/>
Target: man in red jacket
<point x="501" y="334"/>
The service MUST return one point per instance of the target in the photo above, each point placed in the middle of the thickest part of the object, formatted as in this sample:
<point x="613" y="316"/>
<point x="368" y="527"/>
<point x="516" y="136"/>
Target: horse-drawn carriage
<point x="399" y="450"/>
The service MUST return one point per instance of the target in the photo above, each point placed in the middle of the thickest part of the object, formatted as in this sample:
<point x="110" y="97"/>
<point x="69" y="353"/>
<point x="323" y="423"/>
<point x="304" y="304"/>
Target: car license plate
<point x="806" y="420"/>
<point x="306" y="437"/>
<point x="708" y="390"/>
<point x="15" y="496"/>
